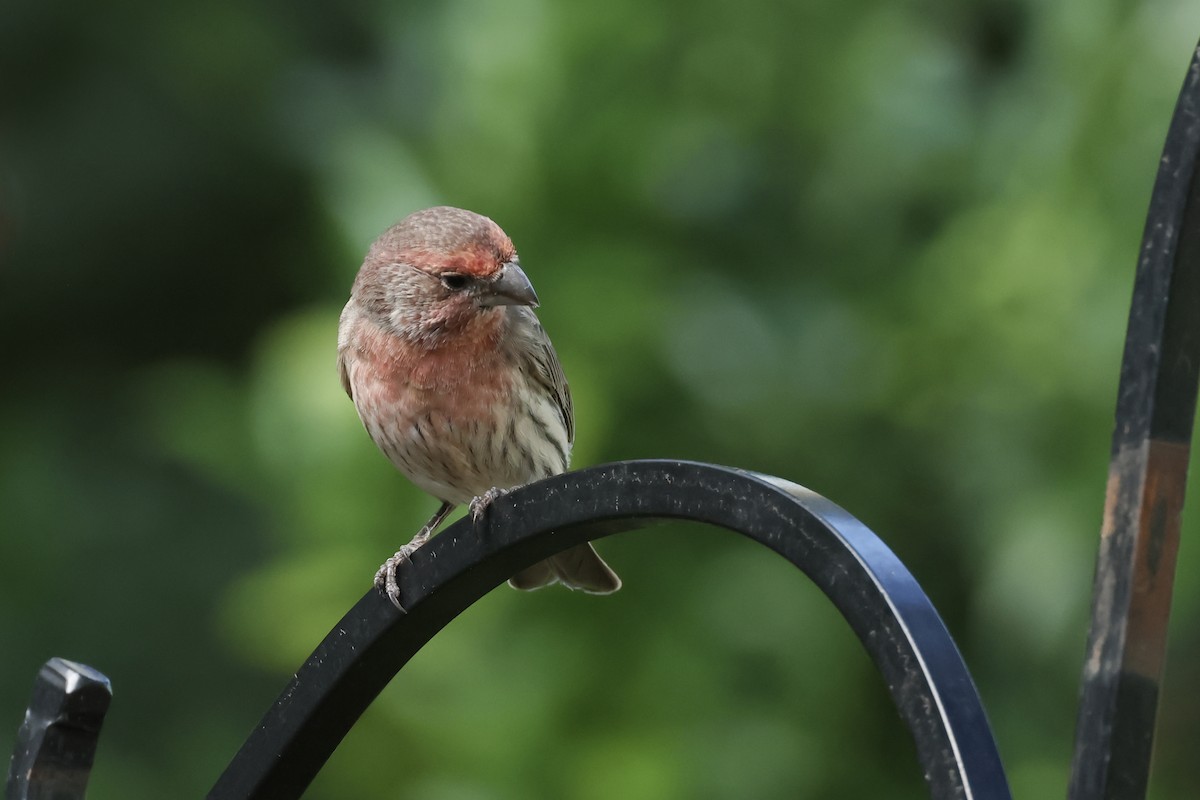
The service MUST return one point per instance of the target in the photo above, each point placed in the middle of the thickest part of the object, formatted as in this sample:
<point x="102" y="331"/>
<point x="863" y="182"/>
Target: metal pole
<point x="1156" y="403"/>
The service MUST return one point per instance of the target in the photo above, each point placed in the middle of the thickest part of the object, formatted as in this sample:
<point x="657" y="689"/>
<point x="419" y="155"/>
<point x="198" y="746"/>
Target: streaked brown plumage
<point x="455" y="380"/>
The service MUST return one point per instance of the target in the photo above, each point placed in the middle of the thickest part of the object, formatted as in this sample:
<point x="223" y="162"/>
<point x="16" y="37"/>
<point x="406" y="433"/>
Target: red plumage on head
<point x="446" y="239"/>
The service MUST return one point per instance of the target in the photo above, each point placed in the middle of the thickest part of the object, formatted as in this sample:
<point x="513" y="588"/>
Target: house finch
<point x="455" y="380"/>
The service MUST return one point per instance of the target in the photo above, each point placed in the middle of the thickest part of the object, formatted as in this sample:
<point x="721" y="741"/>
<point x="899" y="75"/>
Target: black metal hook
<point x="866" y="582"/>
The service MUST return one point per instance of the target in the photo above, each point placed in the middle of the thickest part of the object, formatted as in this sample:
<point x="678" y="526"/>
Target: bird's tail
<point x="581" y="568"/>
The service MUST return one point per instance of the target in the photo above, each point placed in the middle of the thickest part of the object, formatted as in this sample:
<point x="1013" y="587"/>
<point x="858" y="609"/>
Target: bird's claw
<point x="479" y="505"/>
<point x="385" y="578"/>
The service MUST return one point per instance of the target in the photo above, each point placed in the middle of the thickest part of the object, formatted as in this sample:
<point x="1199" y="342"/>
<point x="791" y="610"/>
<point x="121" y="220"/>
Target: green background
<point x="883" y="249"/>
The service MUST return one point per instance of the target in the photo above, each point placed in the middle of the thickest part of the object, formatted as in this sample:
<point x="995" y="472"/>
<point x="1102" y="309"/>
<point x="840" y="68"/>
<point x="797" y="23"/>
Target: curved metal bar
<point x="866" y="582"/>
<point x="1156" y="404"/>
<point x="56" y="743"/>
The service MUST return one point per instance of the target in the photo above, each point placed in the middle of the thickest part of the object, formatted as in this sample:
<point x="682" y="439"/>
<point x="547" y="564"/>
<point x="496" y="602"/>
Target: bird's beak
<point x="510" y="288"/>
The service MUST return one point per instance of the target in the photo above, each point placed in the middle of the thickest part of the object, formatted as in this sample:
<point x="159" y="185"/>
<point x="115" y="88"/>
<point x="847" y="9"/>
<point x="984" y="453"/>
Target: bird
<point x="456" y="381"/>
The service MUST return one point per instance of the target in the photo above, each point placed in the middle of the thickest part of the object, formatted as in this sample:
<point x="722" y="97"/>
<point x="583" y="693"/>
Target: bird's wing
<point x="344" y="373"/>
<point x="547" y="370"/>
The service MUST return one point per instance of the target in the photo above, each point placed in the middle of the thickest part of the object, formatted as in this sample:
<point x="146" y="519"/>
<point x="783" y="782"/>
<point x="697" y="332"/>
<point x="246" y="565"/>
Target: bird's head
<point x="437" y="271"/>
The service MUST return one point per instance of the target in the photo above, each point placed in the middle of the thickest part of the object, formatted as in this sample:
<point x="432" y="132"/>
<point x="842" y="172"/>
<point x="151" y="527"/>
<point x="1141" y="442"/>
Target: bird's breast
<point x="457" y="420"/>
<point x="394" y="379"/>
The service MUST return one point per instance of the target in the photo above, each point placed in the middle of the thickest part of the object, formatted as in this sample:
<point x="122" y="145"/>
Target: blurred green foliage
<point x="882" y="249"/>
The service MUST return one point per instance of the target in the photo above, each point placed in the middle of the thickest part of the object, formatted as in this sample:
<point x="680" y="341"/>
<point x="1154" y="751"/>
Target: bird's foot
<point x="479" y="505"/>
<point x="385" y="578"/>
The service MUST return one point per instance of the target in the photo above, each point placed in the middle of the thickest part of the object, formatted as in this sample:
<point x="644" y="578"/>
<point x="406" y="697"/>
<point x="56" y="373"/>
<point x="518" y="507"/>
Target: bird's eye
<point x="455" y="281"/>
